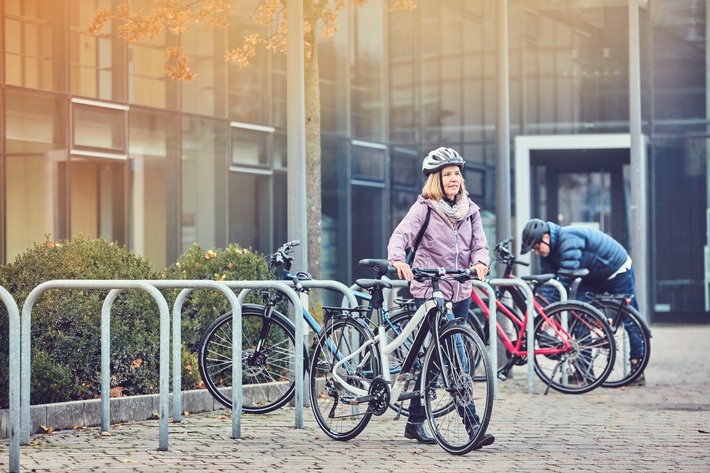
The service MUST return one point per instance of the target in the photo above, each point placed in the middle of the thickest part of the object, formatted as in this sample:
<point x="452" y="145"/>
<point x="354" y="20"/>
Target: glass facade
<point x="95" y="138"/>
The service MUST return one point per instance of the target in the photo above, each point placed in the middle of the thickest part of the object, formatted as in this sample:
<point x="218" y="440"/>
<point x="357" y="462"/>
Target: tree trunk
<point x="313" y="155"/>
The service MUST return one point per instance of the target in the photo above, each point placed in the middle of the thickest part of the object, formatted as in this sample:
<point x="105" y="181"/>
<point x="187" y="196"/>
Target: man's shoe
<point x="418" y="432"/>
<point x="640" y="381"/>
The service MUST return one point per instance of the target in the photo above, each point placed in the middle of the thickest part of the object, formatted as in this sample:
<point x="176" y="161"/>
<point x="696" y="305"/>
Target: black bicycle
<point x="347" y="385"/>
<point x="268" y="341"/>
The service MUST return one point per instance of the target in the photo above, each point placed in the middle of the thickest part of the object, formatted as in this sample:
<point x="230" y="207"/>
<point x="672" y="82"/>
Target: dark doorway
<point x="583" y="187"/>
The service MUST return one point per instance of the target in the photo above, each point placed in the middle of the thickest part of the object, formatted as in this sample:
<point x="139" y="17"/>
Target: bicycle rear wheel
<point x="335" y="407"/>
<point x="625" y="321"/>
<point x="466" y="383"/>
<point x="590" y="358"/>
<point x="268" y="377"/>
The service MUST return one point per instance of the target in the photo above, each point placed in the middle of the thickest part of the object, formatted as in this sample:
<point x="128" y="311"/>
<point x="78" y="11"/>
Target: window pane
<point x="251" y="147"/>
<point x="146" y="80"/>
<point x="29" y="47"/>
<point x="204" y="183"/>
<point x="367" y="72"/>
<point x="200" y="95"/>
<point x="368" y="163"/>
<point x="249" y="215"/>
<point x="34" y="170"/>
<point x="99" y="128"/>
<point x="152" y="151"/>
<point x="90" y="56"/>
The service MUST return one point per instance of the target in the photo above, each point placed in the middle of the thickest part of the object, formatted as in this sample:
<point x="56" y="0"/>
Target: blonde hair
<point x="432" y="187"/>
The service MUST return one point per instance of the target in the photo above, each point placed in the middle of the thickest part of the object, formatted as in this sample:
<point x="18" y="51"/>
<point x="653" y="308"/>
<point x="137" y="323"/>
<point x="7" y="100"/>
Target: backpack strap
<point x="420" y="235"/>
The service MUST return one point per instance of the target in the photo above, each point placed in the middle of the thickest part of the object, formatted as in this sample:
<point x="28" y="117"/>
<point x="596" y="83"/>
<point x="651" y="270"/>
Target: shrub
<point x="66" y="324"/>
<point x="233" y="263"/>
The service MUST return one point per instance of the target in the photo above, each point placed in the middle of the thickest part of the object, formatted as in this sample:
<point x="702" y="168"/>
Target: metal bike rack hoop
<point x="25" y="348"/>
<point x="188" y="286"/>
<point x="14" y="378"/>
<point x="247" y="287"/>
<point x="530" y="326"/>
<point x="492" y="335"/>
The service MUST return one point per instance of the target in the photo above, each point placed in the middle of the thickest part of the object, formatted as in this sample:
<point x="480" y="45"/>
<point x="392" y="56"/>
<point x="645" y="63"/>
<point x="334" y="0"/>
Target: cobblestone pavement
<point x="661" y="427"/>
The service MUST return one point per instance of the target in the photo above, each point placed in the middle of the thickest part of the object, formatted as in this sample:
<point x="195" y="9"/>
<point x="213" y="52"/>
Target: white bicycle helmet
<point x="440" y="158"/>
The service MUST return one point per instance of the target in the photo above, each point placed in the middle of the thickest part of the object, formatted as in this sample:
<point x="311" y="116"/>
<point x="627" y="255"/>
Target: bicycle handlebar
<point x="504" y="255"/>
<point x="282" y="254"/>
<point x="422" y="274"/>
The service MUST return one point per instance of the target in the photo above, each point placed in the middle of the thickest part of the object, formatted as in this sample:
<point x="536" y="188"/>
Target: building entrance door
<point x="586" y="187"/>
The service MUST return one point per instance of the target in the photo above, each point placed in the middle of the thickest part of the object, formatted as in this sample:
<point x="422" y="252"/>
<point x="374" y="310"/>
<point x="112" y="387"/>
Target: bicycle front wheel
<point x="268" y="374"/>
<point x="588" y="360"/>
<point x="336" y="407"/>
<point x="629" y="330"/>
<point x="462" y="377"/>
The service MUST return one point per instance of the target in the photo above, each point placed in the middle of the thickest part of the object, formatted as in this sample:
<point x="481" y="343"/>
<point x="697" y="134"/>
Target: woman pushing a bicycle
<point x="444" y="230"/>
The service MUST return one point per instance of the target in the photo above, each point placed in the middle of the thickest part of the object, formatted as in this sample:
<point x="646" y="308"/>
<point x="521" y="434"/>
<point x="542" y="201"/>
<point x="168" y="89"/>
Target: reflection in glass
<point x="249" y="215"/>
<point x="35" y="167"/>
<point x="29" y="52"/>
<point x="366" y="99"/>
<point x="91" y="57"/>
<point x="99" y="128"/>
<point x="153" y="152"/>
<point x="204" y="182"/>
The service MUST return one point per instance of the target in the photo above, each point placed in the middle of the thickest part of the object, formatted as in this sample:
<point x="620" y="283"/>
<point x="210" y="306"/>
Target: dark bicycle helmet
<point x="532" y="234"/>
<point x="440" y="158"/>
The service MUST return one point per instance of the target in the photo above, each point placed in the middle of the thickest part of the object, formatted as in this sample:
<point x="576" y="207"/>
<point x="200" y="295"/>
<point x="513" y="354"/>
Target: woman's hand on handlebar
<point x="481" y="269"/>
<point x="403" y="270"/>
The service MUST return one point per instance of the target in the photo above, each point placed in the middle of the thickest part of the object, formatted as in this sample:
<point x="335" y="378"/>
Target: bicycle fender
<point x="260" y="308"/>
<point x="573" y="302"/>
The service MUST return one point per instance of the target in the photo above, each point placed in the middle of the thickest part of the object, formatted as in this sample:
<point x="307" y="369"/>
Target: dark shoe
<point x="486" y="440"/>
<point x="639" y="381"/>
<point x="577" y="378"/>
<point x="418" y="432"/>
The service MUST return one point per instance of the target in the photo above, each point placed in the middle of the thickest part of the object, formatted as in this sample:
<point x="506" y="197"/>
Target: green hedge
<point x="233" y="263"/>
<point x="66" y="324"/>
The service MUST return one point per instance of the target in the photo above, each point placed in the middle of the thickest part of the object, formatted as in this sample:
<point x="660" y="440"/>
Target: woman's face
<point x="451" y="179"/>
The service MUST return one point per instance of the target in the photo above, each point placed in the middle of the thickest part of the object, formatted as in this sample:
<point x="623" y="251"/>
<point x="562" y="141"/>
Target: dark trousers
<point x="621" y="284"/>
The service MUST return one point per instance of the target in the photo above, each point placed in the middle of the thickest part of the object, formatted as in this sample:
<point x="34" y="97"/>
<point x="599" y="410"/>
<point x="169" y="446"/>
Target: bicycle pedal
<point x="502" y="377"/>
<point x="350" y="400"/>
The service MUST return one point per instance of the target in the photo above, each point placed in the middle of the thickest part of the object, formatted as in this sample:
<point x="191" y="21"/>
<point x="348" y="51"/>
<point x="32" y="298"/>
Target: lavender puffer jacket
<point x="441" y="247"/>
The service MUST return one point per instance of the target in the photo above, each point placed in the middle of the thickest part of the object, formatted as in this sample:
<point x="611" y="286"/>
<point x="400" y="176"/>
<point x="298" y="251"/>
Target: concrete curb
<point x="69" y="415"/>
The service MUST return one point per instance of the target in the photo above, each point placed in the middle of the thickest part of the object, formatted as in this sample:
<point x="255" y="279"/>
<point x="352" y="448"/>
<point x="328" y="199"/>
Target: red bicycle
<point x="574" y="347"/>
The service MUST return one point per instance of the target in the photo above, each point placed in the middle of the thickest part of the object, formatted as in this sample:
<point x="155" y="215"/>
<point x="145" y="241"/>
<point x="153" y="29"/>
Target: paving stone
<point x="661" y="427"/>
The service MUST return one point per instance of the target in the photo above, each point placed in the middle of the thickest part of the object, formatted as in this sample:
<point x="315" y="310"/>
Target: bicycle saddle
<point x="538" y="278"/>
<point x="370" y="283"/>
<point x="575" y="273"/>
<point x="381" y="266"/>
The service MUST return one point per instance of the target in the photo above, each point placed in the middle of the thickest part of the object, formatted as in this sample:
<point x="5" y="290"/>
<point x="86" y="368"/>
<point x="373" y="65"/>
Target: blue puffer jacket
<point x="441" y="247"/>
<point x="576" y="247"/>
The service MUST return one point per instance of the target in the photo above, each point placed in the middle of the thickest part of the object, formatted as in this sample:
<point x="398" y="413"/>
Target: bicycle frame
<point x="517" y="349"/>
<point x="385" y="348"/>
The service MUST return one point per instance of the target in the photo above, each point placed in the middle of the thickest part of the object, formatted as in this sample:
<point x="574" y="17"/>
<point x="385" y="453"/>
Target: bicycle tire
<point x="591" y="356"/>
<point x="269" y="380"/>
<point x="469" y="389"/>
<point x="340" y="338"/>
<point x="621" y="374"/>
